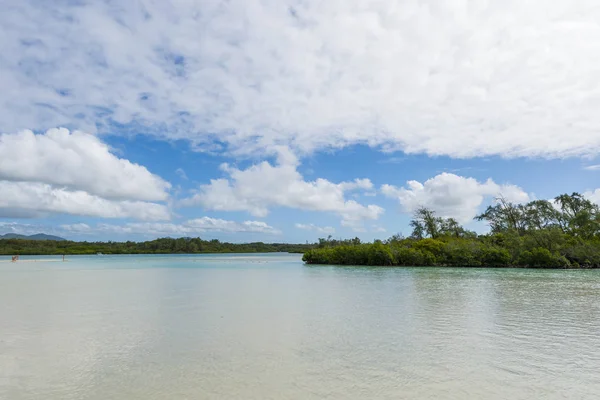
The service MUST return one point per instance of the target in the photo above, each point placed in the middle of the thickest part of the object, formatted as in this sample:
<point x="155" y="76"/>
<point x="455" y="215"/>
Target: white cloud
<point x="593" y="195"/>
<point x="452" y="195"/>
<point x="189" y="227"/>
<point x="378" y="229"/>
<point x="320" y="229"/>
<point x="25" y="229"/>
<point x="392" y="160"/>
<point x="26" y="199"/>
<point x="62" y="172"/>
<point x="262" y="186"/>
<point x="181" y="173"/>
<point x="510" y="78"/>
<point x="78" y="161"/>
<point x="592" y="167"/>
<point x="79" y="227"/>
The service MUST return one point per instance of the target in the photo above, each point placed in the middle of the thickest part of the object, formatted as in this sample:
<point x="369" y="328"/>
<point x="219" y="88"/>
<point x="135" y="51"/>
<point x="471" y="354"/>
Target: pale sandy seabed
<point x="269" y="327"/>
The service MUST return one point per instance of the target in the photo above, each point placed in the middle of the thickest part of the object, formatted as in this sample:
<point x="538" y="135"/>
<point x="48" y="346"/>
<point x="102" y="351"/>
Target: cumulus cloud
<point x="455" y="78"/>
<point x="312" y="227"/>
<point x="262" y="186"/>
<point x="26" y="199"/>
<point x="593" y="195"/>
<point x="452" y="195"/>
<point x="62" y="172"/>
<point x="186" y="228"/>
<point x="78" y="161"/>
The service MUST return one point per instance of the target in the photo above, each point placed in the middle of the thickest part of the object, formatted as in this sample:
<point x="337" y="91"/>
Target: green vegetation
<point x="539" y="234"/>
<point x="158" y="246"/>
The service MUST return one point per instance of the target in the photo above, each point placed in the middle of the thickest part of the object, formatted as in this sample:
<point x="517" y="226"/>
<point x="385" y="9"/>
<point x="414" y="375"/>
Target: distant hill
<point x="37" y="236"/>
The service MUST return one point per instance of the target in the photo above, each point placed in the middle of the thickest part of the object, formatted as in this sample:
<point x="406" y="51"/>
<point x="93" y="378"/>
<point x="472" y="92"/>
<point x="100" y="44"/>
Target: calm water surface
<point x="268" y="327"/>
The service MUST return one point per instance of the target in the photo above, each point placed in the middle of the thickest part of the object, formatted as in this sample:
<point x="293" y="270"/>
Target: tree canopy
<point x="158" y="246"/>
<point x="563" y="233"/>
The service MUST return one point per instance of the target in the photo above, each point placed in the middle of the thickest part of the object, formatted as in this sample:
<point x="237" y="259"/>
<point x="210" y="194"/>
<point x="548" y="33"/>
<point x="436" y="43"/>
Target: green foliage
<point x="411" y="257"/>
<point x="571" y="214"/>
<point x="540" y="257"/>
<point x="463" y="253"/>
<point x="158" y="246"/>
<point x="584" y="253"/>
<point x="540" y="234"/>
<point x="495" y="256"/>
<point x="379" y="254"/>
<point x="433" y="246"/>
<point x="329" y="242"/>
<point x="426" y="224"/>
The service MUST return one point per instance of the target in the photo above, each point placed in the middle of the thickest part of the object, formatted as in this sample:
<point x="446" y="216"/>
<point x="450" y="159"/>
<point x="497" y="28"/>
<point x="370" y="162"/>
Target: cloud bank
<point x="23" y="199"/>
<point x="462" y="79"/>
<point x="186" y="228"/>
<point x="263" y="186"/>
<point x="76" y="160"/>
<point x="60" y="172"/>
<point x="452" y="195"/>
<point x="315" y="228"/>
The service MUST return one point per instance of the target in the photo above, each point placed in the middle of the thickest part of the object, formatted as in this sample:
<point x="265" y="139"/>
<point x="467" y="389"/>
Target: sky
<point x="286" y="121"/>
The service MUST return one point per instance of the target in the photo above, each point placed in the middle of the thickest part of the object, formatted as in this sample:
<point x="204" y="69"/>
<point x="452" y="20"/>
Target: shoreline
<point x="149" y="254"/>
<point x="581" y="268"/>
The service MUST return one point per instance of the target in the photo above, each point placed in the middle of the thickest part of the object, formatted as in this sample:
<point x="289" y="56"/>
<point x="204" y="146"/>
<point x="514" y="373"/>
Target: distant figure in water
<point x="63" y="257"/>
<point x="15" y="258"/>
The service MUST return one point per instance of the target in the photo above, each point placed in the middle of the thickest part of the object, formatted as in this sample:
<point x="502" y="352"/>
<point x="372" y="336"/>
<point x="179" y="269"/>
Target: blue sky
<point x="142" y="120"/>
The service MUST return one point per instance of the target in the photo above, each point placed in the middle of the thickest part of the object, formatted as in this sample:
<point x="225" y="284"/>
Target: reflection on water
<point x="266" y="326"/>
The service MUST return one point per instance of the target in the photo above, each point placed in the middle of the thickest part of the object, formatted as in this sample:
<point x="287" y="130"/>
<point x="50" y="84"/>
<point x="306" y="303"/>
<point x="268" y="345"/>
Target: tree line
<point x="158" y="246"/>
<point x="563" y="233"/>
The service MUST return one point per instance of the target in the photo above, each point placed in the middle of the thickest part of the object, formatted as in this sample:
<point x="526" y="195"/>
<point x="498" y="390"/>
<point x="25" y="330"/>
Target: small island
<point x="564" y="233"/>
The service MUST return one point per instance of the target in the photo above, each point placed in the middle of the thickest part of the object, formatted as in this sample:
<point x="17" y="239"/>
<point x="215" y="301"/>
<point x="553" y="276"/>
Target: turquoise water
<point x="269" y="327"/>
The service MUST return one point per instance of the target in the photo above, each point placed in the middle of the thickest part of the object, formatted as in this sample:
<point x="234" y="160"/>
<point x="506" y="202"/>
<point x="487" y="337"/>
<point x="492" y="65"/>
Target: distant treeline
<point x="564" y="233"/>
<point x="158" y="246"/>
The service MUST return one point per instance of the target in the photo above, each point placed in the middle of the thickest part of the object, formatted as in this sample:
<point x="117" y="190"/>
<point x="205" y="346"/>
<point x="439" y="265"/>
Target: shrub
<point x="411" y="257"/>
<point x="463" y="254"/>
<point x="378" y="254"/>
<point x="540" y="257"/>
<point x="583" y="253"/>
<point x="433" y="246"/>
<point x="495" y="257"/>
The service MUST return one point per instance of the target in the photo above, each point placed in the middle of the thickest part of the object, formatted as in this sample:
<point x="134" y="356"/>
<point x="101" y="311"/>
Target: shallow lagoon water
<point x="269" y="327"/>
